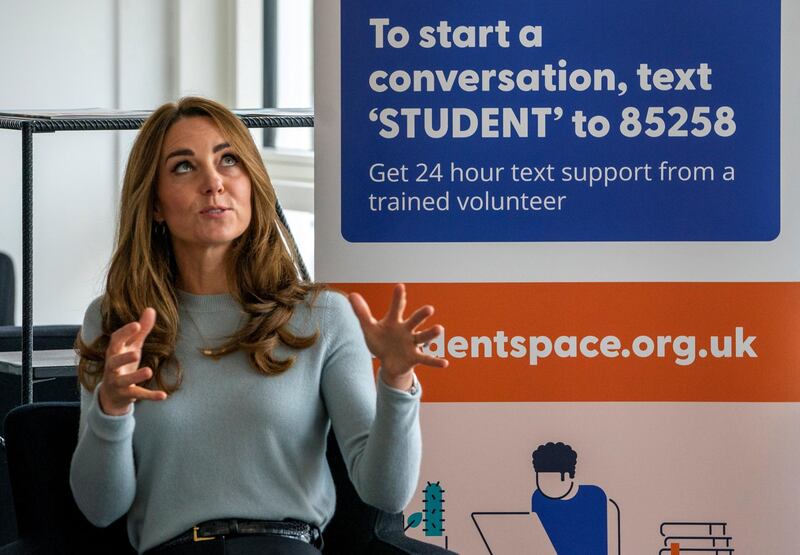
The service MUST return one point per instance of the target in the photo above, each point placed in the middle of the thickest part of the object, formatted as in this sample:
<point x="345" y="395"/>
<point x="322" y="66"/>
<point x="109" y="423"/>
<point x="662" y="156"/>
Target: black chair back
<point x="40" y="439"/>
<point x="45" y="338"/>
<point x="60" y="389"/>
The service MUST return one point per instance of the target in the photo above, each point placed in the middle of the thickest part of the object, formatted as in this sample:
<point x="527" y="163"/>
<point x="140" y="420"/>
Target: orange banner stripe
<point x="768" y="312"/>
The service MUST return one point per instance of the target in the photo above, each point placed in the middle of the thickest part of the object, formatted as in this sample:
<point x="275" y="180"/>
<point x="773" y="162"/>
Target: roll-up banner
<point x="600" y="199"/>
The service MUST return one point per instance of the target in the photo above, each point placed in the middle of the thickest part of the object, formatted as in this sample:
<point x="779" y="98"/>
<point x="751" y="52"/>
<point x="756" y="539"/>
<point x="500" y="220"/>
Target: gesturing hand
<point x="118" y="389"/>
<point x="394" y="340"/>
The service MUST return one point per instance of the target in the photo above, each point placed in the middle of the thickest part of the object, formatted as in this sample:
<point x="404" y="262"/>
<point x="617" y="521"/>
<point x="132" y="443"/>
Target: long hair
<point x="262" y="274"/>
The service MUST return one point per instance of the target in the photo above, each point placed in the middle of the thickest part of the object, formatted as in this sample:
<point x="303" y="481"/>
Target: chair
<point x="58" y="389"/>
<point x="40" y="439"/>
<point x="45" y="338"/>
<point x="7" y="280"/>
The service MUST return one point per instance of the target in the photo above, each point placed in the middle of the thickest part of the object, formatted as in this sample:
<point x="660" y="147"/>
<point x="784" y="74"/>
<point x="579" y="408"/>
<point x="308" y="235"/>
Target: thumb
<point x="146" y="321"/>
<point x="361" y="309"/>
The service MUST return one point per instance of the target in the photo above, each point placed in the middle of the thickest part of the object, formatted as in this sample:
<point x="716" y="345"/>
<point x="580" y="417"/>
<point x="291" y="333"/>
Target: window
<point x="289" y="67"/>
<point x="289" y="83"/>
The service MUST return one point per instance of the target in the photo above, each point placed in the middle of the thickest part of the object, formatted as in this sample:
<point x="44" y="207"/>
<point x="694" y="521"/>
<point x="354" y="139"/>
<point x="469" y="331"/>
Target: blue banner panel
<point x="560" y="120"/>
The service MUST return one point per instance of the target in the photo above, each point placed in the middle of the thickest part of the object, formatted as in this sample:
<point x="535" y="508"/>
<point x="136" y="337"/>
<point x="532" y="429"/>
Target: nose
<point x="213" y="182"/>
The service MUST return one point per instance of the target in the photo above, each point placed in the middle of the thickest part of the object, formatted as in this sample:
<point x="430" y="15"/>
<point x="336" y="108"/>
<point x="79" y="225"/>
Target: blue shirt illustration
<point x="576" y="526"/>
<point x="575" y="517"/>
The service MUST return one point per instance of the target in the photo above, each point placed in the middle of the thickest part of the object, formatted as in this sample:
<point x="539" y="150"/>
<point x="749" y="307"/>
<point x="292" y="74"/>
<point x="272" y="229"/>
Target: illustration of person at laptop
<point x="579" y="519"/>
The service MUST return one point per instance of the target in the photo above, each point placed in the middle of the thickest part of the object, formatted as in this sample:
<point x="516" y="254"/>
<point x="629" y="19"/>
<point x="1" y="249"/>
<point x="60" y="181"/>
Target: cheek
<point x="163" y="202"/>
<point x="171" y="207"/>
<point x="174" y="199"/>
<point x="245" y="199"/>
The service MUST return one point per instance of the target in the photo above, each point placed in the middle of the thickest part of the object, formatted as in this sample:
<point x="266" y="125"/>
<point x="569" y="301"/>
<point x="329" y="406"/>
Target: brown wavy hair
<point x="262" y="270"/>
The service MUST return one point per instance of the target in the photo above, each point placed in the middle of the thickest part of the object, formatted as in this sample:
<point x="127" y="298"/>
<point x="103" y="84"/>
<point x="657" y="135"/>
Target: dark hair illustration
<point x="555" y="457"/>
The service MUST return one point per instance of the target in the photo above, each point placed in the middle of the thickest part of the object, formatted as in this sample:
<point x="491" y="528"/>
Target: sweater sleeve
<point x="102" y="474"/>
<point x="378" y="434"/>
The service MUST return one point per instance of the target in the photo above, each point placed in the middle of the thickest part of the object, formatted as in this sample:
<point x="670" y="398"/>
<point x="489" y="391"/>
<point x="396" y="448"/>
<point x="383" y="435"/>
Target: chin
<point x="219" y="236"/>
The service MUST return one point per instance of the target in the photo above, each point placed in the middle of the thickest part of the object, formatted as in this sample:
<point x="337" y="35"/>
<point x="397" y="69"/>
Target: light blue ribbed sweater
<point x="235" y="443"/>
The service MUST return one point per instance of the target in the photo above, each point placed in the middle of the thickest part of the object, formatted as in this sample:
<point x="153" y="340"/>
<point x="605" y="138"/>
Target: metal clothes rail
<point x="50" y="121"/>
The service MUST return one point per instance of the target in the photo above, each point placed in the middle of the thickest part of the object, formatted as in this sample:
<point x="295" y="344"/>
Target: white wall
<point x="64" y="65"/>
<point x="126" y="54"/>
<point x="295" y="68"/>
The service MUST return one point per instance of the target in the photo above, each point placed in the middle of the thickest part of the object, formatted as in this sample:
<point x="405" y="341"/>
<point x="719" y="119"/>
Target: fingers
<point x="419" y="316"/>
<point x="125" y="344"/>
<point x="146" y="323"/>
<point x="121" y="375"/>
<point x="361" y="308"/>
<point x="122" y="336"/>
<point x="116" y="362"/>
<point x="133" y="333"/>
<point x="428" y="335"/>
<point x="118" y="392"/>
<point x="142" y="394"/>
<point x="398" y="302"/>
<point x="140" y="375"/>
<point x="430" y="360"/>
<point x="393" y="339"/>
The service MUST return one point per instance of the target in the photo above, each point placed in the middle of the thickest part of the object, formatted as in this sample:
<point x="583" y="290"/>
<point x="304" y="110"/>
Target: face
<point x="554" y="484"/>
<point x="203" y="192"/>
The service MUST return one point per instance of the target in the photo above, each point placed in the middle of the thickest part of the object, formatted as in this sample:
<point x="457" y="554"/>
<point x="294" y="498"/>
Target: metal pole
<point x="27" y="263"/>
<point x="298" y="258"/>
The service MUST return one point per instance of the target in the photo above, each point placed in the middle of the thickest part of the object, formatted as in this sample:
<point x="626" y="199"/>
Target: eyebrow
<point x="190" y="152"/>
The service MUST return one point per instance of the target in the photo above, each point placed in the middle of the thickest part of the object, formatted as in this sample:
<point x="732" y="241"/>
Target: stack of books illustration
<point x="684" y="538"/>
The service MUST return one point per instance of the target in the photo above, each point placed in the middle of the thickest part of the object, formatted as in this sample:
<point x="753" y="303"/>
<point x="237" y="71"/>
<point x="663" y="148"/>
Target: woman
<point x="237" y="368"/>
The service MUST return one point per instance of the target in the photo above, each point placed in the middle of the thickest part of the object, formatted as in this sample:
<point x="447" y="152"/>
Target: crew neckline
<point x="222" y="302"/>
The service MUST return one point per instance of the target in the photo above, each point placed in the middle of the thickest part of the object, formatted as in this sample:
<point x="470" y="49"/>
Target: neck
<point x="202" y="271"/>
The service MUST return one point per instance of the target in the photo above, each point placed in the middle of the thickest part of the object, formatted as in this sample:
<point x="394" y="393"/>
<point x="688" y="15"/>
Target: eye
<point x="182" y="167"/>
<point x="229" y="160"/>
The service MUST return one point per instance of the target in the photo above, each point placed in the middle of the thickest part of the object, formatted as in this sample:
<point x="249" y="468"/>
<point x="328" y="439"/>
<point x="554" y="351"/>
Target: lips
<point x="214" y="210"/>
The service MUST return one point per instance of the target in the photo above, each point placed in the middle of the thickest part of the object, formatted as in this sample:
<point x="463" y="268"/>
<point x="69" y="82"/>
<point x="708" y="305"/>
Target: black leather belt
<point x="232" y="527"/>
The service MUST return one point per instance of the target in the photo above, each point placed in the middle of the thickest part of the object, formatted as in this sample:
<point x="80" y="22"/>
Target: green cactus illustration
<point x="433" y="509"/>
